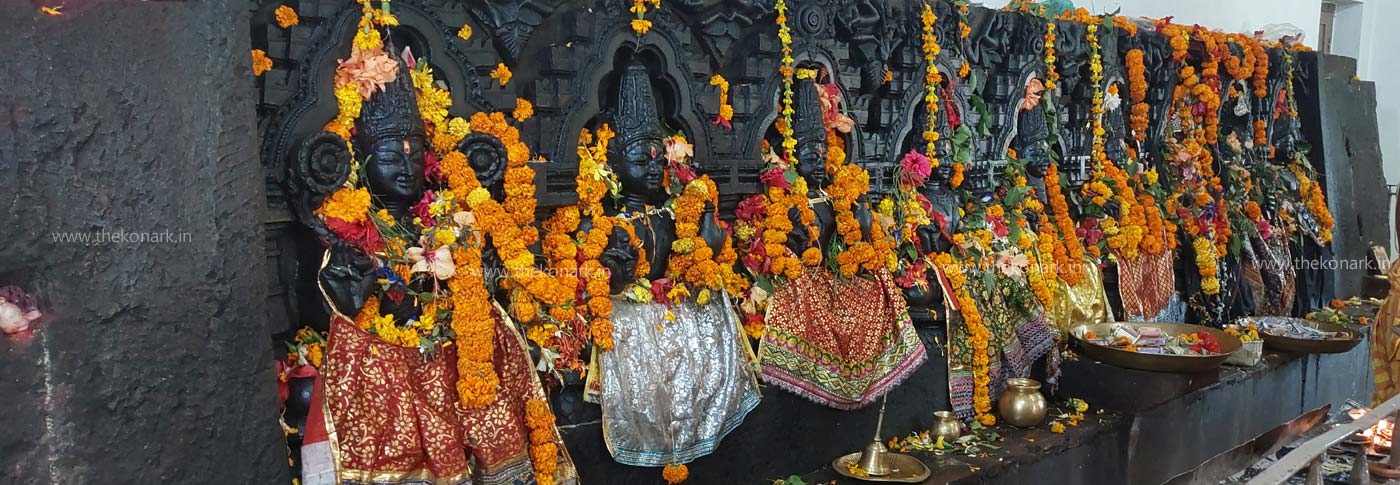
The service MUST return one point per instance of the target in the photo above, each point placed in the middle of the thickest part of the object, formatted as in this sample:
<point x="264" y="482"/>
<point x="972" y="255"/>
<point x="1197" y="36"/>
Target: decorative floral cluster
<point x="640" y="24"/>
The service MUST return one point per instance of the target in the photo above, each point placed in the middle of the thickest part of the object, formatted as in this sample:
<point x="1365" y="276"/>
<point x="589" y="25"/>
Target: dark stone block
<point x="152" y="363"/>
<point x="1338" y="114"/>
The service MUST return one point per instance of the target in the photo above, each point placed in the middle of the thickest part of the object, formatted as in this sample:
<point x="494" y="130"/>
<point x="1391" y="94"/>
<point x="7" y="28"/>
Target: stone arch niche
<point x="1006" y="53"/>
<point x="906" y="131"/>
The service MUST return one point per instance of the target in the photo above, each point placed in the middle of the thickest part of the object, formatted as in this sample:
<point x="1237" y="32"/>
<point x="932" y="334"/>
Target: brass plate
<point x="903" y="468"/>
<point x="1310" y="346"/>
<point x="1155" y="362"/>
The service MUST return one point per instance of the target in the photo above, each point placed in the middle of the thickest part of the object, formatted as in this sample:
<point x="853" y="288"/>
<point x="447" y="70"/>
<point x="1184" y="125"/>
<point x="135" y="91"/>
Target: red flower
<point x="363" y="235"/>
<point x="775" y="178"/>
<point x="720" y="121"/>
<point x="659" y="288"/>
<point x="914" y="169"/>
<point x="430" y="167"/>
<point x="750" y="209"/>
<point x="998" y="226"/>
<point x="684" y="173"/>
<point x="421" y="209"/>
<point x="1206" y="342"/>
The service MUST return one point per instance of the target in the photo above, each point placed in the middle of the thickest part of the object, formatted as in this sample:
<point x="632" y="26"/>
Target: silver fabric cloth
<point x="671" y="390"/>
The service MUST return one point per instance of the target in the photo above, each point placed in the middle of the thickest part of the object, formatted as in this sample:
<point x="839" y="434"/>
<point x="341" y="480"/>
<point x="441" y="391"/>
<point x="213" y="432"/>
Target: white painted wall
<point x="1245" y="16"/>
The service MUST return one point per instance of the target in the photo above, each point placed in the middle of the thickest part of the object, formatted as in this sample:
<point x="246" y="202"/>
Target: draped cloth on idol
<point x="671" y="390"/>
<point x="1147" y="286"/>
<point x="382" y="414"/>
<point x="842" y="344"/>
<point x="1020" y="336"/>
<point x="1268" y="272"/>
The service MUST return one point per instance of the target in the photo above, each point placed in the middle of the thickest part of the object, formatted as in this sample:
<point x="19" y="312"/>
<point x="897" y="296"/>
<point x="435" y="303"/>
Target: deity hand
<point x="493" y="265"/>
<point x="710" y="229"/>
<point x="620" y="258"/>
<point x="864" y="217"/>
<point x="348" y="279"/>
<point x="931" y="239"/>
<point x="923" y="295"/>
<point x="800" y="238"/>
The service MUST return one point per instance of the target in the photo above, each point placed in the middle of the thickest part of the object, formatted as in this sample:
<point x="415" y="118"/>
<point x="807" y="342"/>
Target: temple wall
<point x="1226" y="15"/>
<point x="129" y="123"/>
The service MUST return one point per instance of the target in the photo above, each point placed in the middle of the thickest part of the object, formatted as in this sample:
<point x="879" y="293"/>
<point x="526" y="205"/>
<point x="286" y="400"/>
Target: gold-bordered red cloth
<point x="389" y="416"/>
<point x="1146" y="284"/>
<point x="839" y="343"/>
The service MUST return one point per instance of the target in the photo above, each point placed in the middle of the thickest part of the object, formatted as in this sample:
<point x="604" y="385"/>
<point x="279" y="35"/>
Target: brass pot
<point x="947" y="425"/>
<point x="1021" y="404"/>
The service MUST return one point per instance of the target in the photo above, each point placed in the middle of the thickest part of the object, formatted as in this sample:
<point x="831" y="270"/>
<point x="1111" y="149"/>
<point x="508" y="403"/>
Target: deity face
<point x="1037" y="157"/>
<point x="642" y="167"/>
<point x="395" y="169"/>
<point x="941" y="174"/>
<point x="811" y="163"/>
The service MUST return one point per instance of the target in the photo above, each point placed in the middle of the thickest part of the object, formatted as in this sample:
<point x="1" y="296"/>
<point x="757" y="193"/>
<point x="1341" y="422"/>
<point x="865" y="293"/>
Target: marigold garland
<point x="639" y="23"/>
<point x="787" y="70"/>
<point x="1051" y="77"/>
<point x="1067" y="261"/>
<point x="1137" y="92"/>
<point x="726" y="110"/>
<point x="978" y="334"/>
<point x="544" y="453"/>
<point x="932" y="79"/>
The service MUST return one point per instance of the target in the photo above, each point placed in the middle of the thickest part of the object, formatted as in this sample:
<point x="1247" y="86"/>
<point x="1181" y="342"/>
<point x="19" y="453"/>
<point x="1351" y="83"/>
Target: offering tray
<point x="903" y="468"/>
<point x="1150" y="361"/>
<point x="1302" y="336"/>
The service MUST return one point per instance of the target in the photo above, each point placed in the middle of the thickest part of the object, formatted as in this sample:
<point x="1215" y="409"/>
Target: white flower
<point x="1011" y="264"/>
<point x="437" y="263"/>
<point x="1112" y="101"/>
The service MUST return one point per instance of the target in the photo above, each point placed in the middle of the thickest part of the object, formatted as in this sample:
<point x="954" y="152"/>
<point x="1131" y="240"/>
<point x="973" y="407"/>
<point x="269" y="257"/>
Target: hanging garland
<point x="932" y="80"/>
<point x="978" y="333"/>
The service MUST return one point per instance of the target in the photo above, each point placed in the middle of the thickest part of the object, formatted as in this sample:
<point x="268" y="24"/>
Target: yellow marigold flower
<point x="1056" y="427"/>
<point x="465" y="33"/>
<point x="703" y="297"/>
<point x="347" y="97"/>
<point x="261" y="63"/>
<point x="444" y="237"/>
<point x="458" y="128"/>
<point x="367" y="39"/>
<point x="477" y="196"/>
<point x="501" y="74"/>
<point x="286" y="17"/>
<point x="523" y="110"/>
<point x="385" y="217"/>
<point x="433" y="103"/>
<point x="349" y="205"/>
<point x="641" y="26"/>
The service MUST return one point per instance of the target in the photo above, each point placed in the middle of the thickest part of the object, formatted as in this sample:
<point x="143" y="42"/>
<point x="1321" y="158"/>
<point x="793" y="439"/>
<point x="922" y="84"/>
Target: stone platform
<point x="1154" y="426"/>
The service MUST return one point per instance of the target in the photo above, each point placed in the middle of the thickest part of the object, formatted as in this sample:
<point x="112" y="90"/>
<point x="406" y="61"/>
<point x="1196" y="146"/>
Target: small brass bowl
<point x="947" y="425"/>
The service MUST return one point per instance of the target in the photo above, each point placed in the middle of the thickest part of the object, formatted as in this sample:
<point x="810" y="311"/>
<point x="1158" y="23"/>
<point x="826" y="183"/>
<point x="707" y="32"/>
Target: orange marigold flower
<point x="261" y="63"/>
<point x="501" y="74"/>
<point x="286" y="17"/>
<point x="675" y="473"/>
<point x="523" y="110"/>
